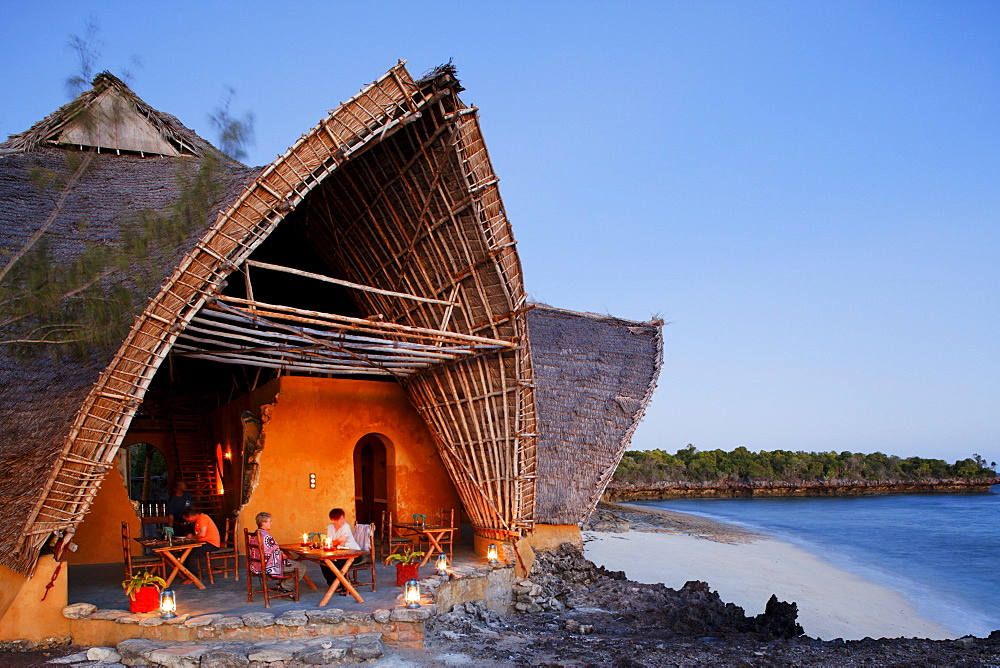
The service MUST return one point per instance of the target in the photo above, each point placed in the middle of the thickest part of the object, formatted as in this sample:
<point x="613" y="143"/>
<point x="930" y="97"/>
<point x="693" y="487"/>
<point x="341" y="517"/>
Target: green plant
<point x="140" y="579"/>
<point x="407" y="556"/>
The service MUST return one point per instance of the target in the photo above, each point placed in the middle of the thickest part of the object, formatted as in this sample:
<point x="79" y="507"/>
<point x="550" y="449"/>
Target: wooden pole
<point x="337" y="281"/>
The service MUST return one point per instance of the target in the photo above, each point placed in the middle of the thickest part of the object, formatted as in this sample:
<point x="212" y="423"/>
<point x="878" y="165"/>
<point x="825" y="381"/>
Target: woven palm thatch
<point x="395" y="190"/>
<point x="41" y="395"/>
<point x="112" y="118"/>
<point x="595" y="375"/>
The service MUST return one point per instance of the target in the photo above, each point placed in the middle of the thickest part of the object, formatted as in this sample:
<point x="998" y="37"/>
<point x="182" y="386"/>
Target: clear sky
<point x="807" y="192"/>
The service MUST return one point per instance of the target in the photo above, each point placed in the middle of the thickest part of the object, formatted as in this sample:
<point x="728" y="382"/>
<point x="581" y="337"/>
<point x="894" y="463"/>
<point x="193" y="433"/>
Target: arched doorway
<point x="371" y="485"/>
<point x="145" y="473"/>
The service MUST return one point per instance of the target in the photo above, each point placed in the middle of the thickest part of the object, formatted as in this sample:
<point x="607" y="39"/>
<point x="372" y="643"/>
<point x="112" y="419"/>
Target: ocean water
<point x="941" y="551"/>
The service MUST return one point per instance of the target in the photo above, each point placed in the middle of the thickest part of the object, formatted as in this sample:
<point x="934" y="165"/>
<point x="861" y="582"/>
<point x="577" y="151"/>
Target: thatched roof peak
<point x="653" y="322"/>
<point x="110" y="118"/>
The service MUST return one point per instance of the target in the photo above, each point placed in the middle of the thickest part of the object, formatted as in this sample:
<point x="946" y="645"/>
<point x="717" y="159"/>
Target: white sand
<point x="832" y="603"/>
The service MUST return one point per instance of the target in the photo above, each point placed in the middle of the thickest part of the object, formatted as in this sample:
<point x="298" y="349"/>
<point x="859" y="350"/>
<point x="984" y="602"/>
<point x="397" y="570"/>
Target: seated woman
<point x="274" y="563"/>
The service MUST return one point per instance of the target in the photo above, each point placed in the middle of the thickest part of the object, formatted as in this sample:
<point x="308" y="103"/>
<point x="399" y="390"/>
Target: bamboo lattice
<point x="398" y="191"/>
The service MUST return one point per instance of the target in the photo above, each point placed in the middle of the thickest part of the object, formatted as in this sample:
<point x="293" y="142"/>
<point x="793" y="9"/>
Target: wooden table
<point x="166" y="550"/>
<point x="327" y="557"/>
<point x="434" y="534"/>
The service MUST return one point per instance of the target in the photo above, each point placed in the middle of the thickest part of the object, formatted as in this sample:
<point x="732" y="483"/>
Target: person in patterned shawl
<point x="274" y="562"/>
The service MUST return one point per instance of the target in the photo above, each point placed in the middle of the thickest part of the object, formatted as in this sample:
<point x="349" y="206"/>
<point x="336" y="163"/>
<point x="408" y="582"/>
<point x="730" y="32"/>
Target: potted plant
<point x="143" y="591"/>
<point x="407" y="564"/>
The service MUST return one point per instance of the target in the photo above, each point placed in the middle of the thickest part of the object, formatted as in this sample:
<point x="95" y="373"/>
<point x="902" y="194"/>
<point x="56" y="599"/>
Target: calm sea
<point x="942" y="551"/>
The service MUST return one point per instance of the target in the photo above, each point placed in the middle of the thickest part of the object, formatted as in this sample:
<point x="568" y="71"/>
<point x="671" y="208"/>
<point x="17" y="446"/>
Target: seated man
<point x="177" y="504"/>
<point x="205" y="531"/>
<point x="339" y="531"/>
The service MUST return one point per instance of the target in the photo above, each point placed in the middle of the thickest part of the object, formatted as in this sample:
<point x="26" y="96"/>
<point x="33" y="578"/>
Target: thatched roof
<point x="42" y="394"/>
<point x="393" y="197"/>
<point x="110" y="117"/>
<point x="595" y="375"/>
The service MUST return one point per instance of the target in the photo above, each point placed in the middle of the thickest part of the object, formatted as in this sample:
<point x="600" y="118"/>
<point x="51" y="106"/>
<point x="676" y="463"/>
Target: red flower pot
<point x="406" y="572"/>
<point x="147" y="599"/>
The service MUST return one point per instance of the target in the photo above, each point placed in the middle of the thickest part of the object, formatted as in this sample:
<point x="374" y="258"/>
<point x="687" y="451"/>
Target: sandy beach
<point x="746" y="568"/>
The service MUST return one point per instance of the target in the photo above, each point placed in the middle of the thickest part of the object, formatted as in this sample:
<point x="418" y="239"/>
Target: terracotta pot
<point x="406" y="572"/>
<point x="147" y="599"/>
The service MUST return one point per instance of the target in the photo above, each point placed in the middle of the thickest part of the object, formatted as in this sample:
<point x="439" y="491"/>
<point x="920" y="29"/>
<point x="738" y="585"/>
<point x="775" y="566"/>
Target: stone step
<point x="313" y="651"/>
<point x="320" y="651"/>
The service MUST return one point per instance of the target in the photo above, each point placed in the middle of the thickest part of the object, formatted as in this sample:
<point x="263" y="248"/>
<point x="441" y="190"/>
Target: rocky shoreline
<point x="600" y="618"/>
<point x="619" y="491"/>
<point x="608" y="620"/>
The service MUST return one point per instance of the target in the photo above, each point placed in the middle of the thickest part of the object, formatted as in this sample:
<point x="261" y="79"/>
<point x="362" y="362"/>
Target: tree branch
<point x="52" y="216"/>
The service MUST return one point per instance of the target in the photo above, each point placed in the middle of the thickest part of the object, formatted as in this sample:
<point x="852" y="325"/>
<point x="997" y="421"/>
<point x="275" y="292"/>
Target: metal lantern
<point x="412" y="589"/>
<point x="491" y="554"/>
<point x="442" y="564"/>
<point x="168" y="604"/>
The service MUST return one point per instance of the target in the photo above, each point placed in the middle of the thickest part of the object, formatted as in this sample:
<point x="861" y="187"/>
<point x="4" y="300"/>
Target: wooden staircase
<point x="199" y="476"/>
<point x="192" y="446"/>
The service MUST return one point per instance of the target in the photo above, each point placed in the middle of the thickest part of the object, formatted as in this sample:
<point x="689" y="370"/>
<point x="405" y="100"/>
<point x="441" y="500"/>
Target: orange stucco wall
<point x="98" y="535"/>
<point x="313" y="427"/>
<point x="25" y="615"/>
<point x="10" y="586"/>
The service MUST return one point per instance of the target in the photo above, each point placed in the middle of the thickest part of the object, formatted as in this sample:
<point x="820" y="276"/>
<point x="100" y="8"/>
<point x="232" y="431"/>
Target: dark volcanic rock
<point x="693" y="610"/>
<point x="778" y="619"/>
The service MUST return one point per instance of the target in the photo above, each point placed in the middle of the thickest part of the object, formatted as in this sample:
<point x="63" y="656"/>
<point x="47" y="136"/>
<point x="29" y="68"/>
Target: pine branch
<point x="52" y="216"/>
<point x="62" y="298"/>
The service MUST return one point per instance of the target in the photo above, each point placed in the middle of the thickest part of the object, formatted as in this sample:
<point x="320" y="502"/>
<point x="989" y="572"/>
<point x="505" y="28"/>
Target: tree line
<point x="743" y="466"/>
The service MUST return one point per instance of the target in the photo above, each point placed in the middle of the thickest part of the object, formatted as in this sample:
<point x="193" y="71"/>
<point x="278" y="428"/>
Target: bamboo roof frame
<point x="479" y="408"/>
<point x="243" y="331"/>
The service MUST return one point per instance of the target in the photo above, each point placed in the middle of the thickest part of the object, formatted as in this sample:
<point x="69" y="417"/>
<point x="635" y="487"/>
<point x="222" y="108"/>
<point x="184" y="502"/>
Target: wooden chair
<point x="219" y="561"/>
<point x="391" y="544"/>
<point x="153" y="563"/>
<point x="364" y="534"/>
<point x="448" y="520"/>
<point x="256" y="569"/>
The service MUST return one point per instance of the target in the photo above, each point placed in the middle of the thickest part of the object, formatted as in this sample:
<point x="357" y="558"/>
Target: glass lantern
<point x="412" y="589"/>
<point x="442" y="564"/>
<point x="168" y="604"/>
<point x="491" y="554"/>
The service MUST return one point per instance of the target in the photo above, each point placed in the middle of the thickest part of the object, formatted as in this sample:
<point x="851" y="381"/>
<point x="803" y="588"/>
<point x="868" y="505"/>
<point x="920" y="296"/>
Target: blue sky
<point x="807" y="192"/>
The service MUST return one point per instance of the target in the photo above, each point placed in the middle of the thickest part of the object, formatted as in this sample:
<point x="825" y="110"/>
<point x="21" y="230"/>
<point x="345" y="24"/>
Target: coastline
<point x="618" y="492"/>
<point x="745" y="567"/>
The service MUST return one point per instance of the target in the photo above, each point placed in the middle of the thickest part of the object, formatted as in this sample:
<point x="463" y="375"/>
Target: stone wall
<point x="400" y="625"/>
<point x="492" y="584"/>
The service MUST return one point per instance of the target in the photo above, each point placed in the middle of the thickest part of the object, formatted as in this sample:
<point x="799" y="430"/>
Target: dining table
<point x="328" y="557"/>
<point x="434" y="533"/>
<point x="174" y="552"/>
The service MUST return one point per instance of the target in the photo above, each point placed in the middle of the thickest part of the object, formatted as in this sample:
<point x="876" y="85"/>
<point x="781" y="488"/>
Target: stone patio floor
<point x="100" y="585"/>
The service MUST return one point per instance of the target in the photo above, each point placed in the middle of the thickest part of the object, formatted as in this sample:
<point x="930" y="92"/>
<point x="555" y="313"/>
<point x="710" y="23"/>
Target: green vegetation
<point x="140" y="579"/>
<point x="81" y="302"/>
<point x="689" y="465"/>
<point x="147" y="473"/>
<point x="407" y="556"/>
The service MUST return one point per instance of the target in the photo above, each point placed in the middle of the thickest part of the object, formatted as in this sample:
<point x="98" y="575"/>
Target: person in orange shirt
<point x="205" y="531"/>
